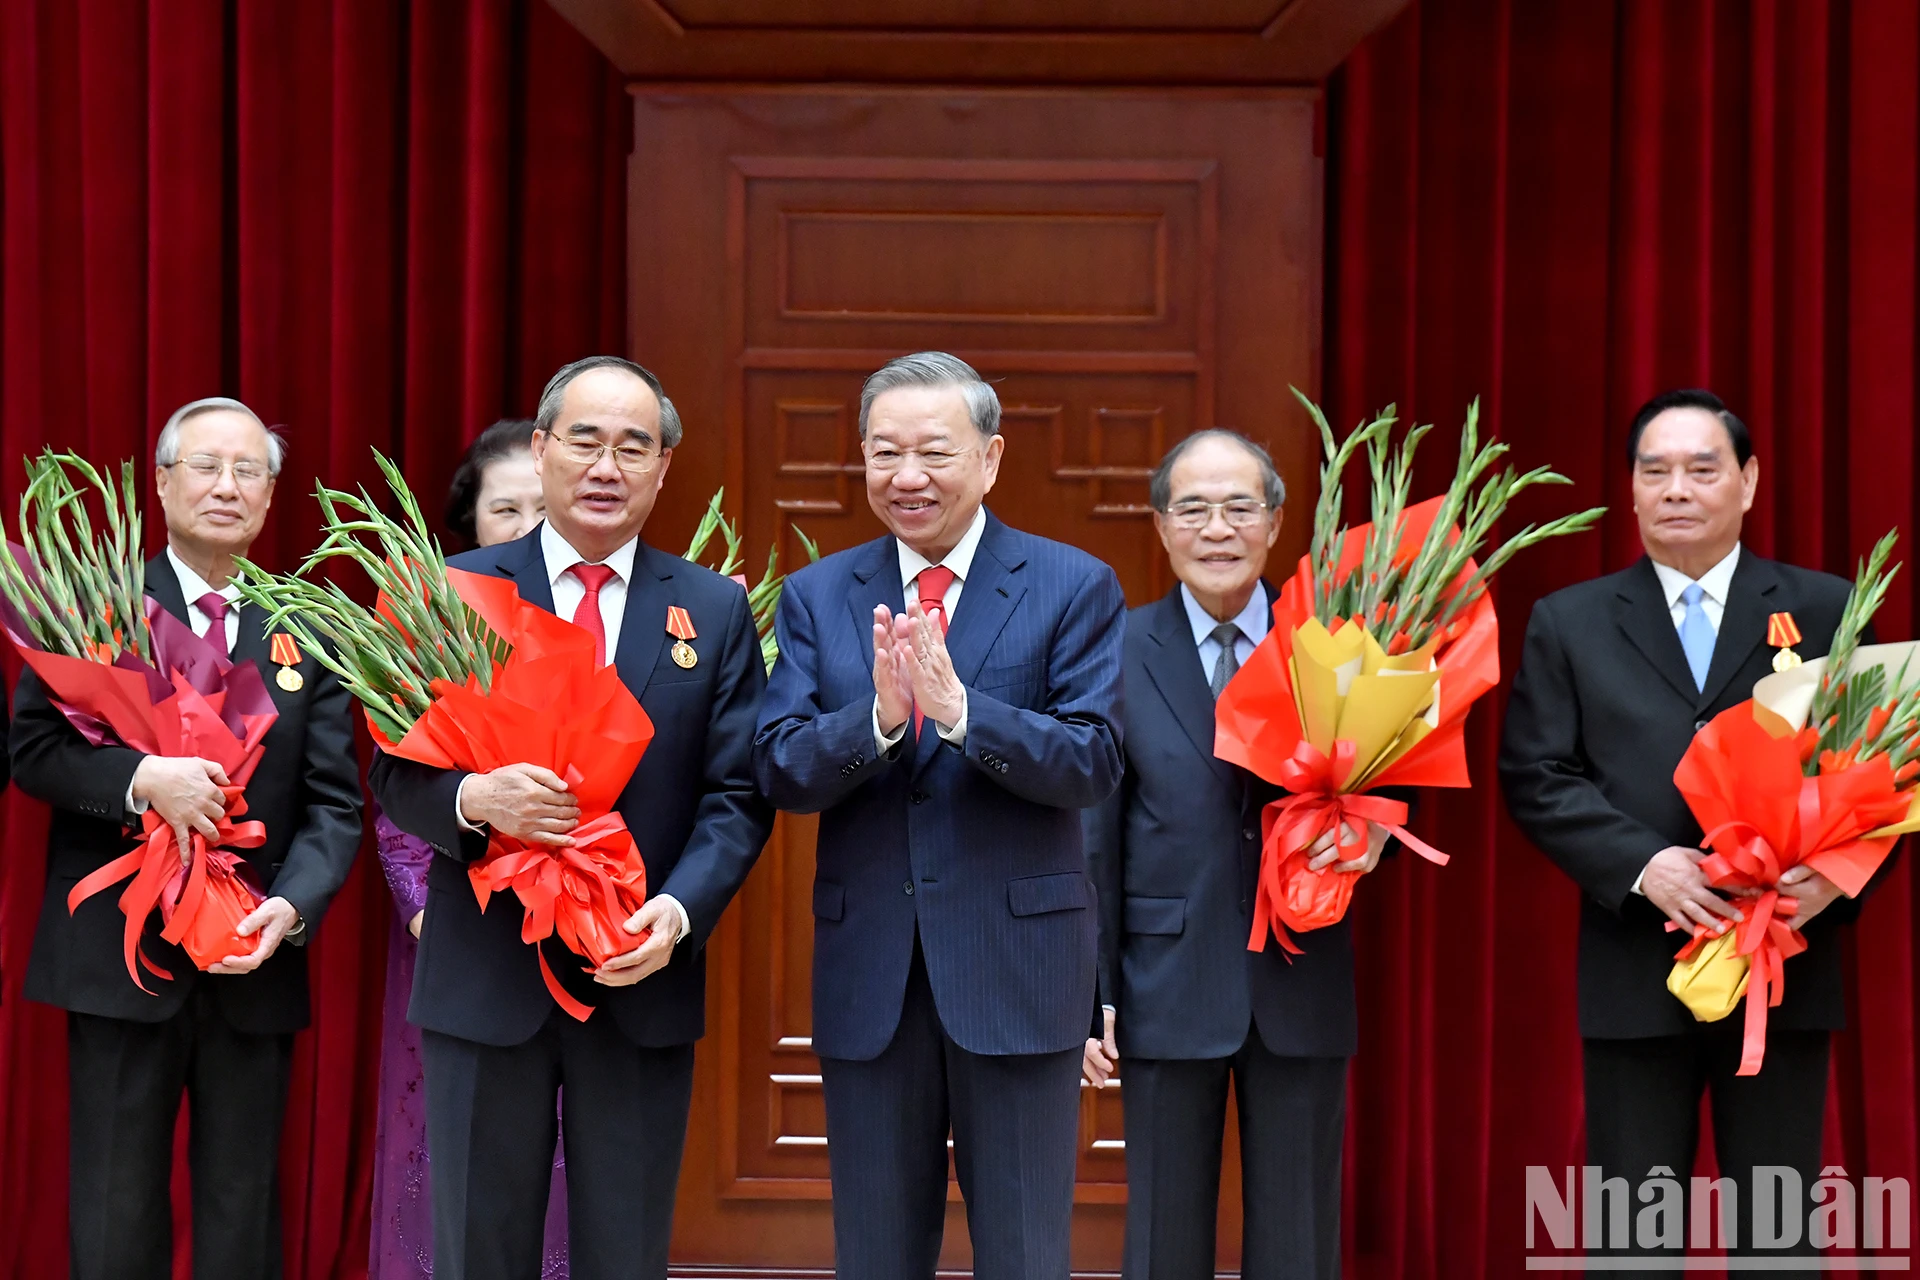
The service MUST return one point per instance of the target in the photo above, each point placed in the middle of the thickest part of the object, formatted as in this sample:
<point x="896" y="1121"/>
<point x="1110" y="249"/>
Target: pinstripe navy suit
<point x="954" y="930"/>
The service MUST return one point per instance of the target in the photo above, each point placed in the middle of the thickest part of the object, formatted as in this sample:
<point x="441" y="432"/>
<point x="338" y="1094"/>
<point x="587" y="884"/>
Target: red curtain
<point x="1563" y="209"/>
<point x="382" y="224"/>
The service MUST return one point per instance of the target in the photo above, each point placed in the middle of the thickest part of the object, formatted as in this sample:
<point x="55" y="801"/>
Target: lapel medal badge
<point x="680" y="626"/>
<point x="1782" y="634"/>
<point x="287" y="654"/>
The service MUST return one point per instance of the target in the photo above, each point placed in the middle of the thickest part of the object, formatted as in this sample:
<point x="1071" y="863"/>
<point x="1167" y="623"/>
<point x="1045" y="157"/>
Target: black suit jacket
<point x="306" y="790"/>
<point x="1175" y="854"/>
<point x="691" y="805"/>
<point x="1603" y="707"/>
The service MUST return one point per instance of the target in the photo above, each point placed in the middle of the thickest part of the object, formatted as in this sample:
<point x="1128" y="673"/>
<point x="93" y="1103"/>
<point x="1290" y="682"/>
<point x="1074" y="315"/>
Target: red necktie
<point x="214" y="605"/>
<point x="932" y="584"/>
<point x="592" y="577"/>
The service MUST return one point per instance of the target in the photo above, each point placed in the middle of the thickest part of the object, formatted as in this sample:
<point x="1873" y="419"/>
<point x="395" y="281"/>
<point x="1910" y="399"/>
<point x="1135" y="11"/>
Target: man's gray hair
<point x="166" y="450"/>
<point x="934" y="369"/>
<point x="1160" y="485"/>
<point x="548" y="414"/>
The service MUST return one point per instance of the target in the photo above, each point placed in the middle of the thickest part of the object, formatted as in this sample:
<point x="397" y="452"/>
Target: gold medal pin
<point x="1782" y="634"/>
<point x="287" y="654"/>
<point x="680" y="626"/>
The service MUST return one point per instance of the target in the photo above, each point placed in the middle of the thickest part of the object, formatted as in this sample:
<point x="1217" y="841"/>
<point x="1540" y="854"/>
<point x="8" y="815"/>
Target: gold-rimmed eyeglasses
<point x="1240" y="513"/>
<point x="630" y="458"/>
<point x="204" y="466"/>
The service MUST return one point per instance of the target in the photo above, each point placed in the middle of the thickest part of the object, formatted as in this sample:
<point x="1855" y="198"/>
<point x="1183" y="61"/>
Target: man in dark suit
<point x="224" y="1037"/>
<point x="1615" y="678"/>
<point x="1175" y="852"/>
<point x="496" y="1046"/>
<point x="954" y="932"/>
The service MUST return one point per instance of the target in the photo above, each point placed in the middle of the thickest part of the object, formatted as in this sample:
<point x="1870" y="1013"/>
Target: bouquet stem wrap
<point x="1330" y="715"/>
<point x="551" y="705"/>
<point x="1763" y="816"/>
<point x="190" y="701"/>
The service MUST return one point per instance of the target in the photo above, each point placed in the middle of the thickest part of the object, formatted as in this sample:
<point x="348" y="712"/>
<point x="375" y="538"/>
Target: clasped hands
<point x="911" y="664"/>
<point x="534" y="806"/>
<point x="1674" y="882"/>
<point x="186" y="792"/>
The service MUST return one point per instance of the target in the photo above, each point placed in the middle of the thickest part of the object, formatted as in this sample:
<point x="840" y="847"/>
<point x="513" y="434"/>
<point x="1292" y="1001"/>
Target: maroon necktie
<point x="592" y="577"/>
<point x="215" y="606"/>
<point x="932" y="584"/>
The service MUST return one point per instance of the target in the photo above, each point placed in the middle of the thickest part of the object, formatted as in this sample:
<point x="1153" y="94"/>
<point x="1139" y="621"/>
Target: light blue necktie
<point x="1696" y="634"/>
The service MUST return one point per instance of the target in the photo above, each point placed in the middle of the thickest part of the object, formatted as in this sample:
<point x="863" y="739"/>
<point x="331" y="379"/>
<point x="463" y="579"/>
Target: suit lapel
<point x="1640" y="609"/>
<point x="1743" y="623"/>
<point x="163" y="584"/>
<point x="643" y="626"/>
<point x="1172" y="661"/>
<point x="876" y="582"/>
<point x="527" y="567"/>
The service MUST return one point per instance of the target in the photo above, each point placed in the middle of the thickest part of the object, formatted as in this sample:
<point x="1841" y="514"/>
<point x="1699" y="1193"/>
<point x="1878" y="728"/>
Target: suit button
<point x="1698" y="725"/>
<point x="1248" y="833"/>
<point x="908" y="886"/>
<point x="919" y="797"/>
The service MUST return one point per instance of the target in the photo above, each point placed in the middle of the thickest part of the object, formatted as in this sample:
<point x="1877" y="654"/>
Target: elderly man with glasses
<point x="496" y="1046"/>
<point x="947" y="699"/>
<point x="224" y="1038"/>
<point x="1186" y="1007"/>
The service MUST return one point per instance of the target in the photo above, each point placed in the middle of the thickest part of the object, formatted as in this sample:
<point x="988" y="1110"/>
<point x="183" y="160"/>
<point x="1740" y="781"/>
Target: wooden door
<point x="1125" y="266"/>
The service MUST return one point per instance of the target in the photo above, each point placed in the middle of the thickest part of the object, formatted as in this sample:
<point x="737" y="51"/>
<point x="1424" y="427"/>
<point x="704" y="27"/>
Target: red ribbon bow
<point x="585" y="893"/>
<point x="1291" y="894"/>
<point x="199" y="903"/>
<point x="1763" y="934"/>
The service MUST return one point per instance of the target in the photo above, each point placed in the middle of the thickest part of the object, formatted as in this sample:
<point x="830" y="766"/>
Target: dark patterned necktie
<point x="1228" y="662"/>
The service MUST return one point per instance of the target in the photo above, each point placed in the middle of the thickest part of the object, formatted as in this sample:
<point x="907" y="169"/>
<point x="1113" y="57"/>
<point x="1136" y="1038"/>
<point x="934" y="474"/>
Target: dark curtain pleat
<point x="1562" y="209"/>
<point x="323" y="209"/>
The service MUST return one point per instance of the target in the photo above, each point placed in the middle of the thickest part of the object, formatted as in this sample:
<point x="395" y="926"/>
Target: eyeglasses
<point x="632" y="459"/>
<point x="887" y="459"/>
<point x="204" y="466"/>
<point x="1240" y="513"/>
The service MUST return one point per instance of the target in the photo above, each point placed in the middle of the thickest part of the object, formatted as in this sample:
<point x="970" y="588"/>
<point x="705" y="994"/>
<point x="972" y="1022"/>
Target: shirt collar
<point x="560" y="556"/>
<point x="960" y="559"/>
<point x="192" y="585"/>
<point x="1253" y="621"/>
<point x="1714" y="582"/>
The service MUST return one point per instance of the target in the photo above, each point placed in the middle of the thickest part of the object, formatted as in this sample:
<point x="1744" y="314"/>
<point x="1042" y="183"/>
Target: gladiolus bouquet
<point x="1817" y="769"/>
<point x="1382" y="639"/>
<point x="122" y="670"/>
<point x="456" y="671"/>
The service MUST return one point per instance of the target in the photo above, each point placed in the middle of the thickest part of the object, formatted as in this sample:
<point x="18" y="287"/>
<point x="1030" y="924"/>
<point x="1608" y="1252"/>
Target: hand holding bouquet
<point x="1817" y="770"/>
<point x="456" y="671"/>
<point x="124" y="671"/>
<point x="1382" y="639"/>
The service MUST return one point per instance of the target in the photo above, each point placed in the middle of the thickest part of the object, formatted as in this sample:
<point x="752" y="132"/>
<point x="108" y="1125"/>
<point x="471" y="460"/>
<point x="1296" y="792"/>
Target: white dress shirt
<point x="568" y="592"/>
<point x="1713" y="584"/>
<point x="960" y="560"/>
<point x="1713" y="602"/>
<point x="193" y="586"/>
<point x="1254" y="622"/>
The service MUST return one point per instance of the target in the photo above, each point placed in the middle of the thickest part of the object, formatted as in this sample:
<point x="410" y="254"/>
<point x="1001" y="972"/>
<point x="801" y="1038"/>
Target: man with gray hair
<point x="1175" y="852"/>
<point x="224" y="1037"/>
<point x="947" y="699"/>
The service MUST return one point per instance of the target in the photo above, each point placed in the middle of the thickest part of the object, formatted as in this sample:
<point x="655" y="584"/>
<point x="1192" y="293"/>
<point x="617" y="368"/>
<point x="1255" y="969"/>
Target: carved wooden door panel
<point x="1125" y="267"/>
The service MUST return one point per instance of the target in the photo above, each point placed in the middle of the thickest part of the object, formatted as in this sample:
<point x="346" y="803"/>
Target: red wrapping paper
<point x="1257" y="726"/>
<point x="192" y="701"/>
<point x="1762" y="817"/>
<point x="584" y="893"/>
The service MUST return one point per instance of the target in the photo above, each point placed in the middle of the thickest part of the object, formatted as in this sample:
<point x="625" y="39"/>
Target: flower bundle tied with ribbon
<point x="125" y="672"/>
<point x="456" y="671"/>
<point x="1817" y="769"/>
<point x="1381" y="641"/>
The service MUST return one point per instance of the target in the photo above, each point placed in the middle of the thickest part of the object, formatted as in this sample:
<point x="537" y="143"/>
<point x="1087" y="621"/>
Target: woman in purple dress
<point x="495" y="498"/>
